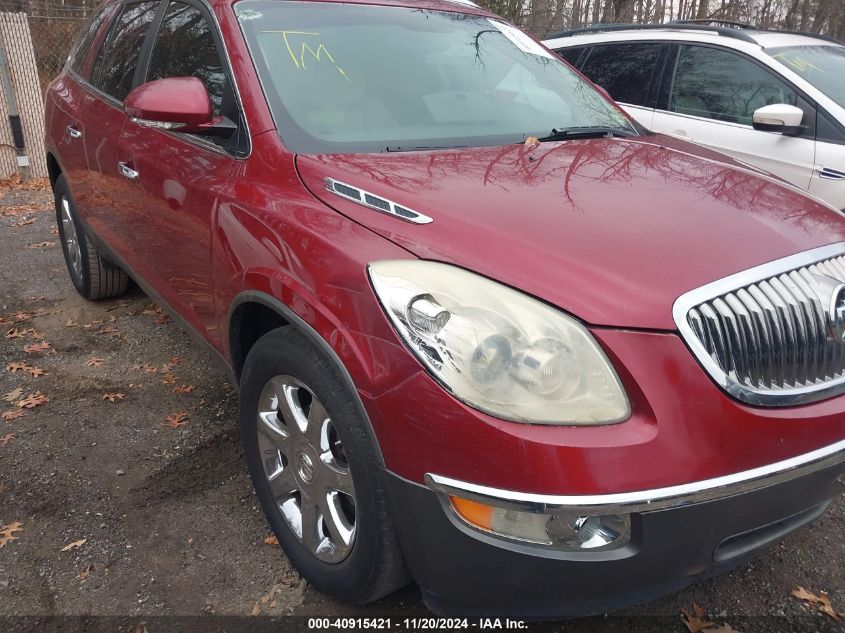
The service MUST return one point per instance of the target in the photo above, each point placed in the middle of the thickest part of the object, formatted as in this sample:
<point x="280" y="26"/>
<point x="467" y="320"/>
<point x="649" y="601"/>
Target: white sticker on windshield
<point x="521" y="40"/>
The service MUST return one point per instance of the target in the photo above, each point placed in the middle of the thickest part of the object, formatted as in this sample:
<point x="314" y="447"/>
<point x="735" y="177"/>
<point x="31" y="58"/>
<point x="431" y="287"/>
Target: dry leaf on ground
<point x="95" y="362"/>
<point x="32" y="400"/>
<point x="8" y="416"/>
<point x="74" y="545"/>
<point x="113" y="397"/>
<point x="822" y="601"/>
<point x="16" y="333"/>
<point x="271" y="540"/>
<point x="13" y="395"/>
<point x="169" y="378"/>
<point x="35" y="372"/>
<point x="7" y="532"/>
<point x="85" y="573"/>
<point x="20" y="223"/>
<point x="2" y="487"/>
<point x="184" y="389"/>
<point x="693" y="619"/>
<point x="6" y="439"/>
<point x="175" y="420"/>
<point x="41" y="245"/>
<point x="43" y="346"/>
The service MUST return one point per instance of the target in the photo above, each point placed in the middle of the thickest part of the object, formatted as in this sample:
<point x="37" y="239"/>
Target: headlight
<point x="497" y="349"/>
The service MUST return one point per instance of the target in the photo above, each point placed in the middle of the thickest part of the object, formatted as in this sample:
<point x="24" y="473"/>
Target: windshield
<point x="822" y="66"/>
<point x="343" y="78"/>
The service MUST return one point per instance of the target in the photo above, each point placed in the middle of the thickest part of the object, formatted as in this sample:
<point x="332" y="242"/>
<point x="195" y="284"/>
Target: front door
<point x="176" y="179"/>
<point x="712" y="101"/>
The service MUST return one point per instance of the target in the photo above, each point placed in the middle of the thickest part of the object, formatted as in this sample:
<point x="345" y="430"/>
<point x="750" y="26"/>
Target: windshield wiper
<point x="570" y="133"/>
<point x="404" y="148"/>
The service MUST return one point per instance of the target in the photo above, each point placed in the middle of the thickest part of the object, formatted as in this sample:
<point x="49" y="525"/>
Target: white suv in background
<point x="771" y="99"/>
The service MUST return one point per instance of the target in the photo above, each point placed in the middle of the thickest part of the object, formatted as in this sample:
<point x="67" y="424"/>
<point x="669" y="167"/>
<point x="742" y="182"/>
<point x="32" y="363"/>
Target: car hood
<point x="610" y="230"/>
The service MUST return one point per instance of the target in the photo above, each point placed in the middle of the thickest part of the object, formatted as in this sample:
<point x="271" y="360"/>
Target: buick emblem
<point x="837" y="313"/>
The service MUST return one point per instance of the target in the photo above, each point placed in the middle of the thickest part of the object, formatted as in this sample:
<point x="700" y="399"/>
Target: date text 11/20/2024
<point x="417" y="624"/>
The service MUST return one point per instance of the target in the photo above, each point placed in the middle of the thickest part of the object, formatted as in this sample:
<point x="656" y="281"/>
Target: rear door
<point x="66" y="119"/>
<point x="178" y="177"/>
<point x="630" y="72"/>
<point x="712" y="99"/>
<point x="112" y="77"/>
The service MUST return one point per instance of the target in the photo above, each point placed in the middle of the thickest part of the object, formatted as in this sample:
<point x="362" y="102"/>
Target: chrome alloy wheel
<point x="306" y="467"/>
<point x="74" y="251"/>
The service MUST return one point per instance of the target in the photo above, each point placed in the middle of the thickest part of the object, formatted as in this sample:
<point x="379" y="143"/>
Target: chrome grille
<point x="773" y="335"/>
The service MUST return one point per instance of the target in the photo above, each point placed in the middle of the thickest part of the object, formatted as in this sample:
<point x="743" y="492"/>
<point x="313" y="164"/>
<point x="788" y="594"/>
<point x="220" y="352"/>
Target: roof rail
<point x="731" y="32"/>
<point x="728" y="23"/>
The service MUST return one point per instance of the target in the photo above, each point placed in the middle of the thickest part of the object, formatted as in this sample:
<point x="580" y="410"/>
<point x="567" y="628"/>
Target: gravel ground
<point x="126" y="519"/>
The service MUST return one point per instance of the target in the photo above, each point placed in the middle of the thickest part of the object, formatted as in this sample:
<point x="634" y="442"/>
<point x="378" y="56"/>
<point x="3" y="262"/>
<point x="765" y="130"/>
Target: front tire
<point x="92" y="276"/>
<point x="314" y="468"/>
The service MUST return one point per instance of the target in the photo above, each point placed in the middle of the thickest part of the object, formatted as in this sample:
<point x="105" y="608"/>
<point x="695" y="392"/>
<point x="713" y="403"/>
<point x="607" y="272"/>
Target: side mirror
<point x="780" y="118"/>
<point x="180" y="104"/>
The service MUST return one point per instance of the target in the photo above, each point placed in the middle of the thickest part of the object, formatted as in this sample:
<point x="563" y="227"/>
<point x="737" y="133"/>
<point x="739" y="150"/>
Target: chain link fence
<point x="53" y="25"/>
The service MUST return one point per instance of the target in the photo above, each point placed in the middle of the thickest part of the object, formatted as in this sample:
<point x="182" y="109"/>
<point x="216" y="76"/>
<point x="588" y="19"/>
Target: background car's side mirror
<point x="180" y="104"/>
<point x="780" y="118"/>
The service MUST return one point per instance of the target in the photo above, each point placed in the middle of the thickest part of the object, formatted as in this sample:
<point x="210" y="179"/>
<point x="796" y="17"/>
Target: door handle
<point x="73" y="132"/>
<point x="127" y="172"/>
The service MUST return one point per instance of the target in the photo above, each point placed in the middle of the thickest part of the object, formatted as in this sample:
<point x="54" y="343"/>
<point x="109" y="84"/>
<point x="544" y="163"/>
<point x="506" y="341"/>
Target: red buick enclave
<point x="490" y="334"/>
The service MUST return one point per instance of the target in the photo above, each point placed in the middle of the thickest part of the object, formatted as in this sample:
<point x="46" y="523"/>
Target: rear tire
<point x="302" y="430"/>
<point x="92" y="276"/>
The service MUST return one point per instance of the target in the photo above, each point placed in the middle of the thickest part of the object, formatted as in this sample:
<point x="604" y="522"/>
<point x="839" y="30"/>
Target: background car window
<point x="115" y="65"/>
<point x="721" y="85"/>
<point x="80" y="53"/>
<point x="571" y="54"/>
<point x="185" y="48"/>
<point x="624" y="70"/>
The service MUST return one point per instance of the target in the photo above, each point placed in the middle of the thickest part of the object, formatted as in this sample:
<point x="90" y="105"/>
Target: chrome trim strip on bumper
<point x="743" y="392"/>
<point x="648" y="500"/>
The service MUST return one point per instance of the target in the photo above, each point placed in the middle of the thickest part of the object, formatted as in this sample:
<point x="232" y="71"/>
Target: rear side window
<point x="571" y="54"/>
<point x="185" y="47"/>
<point x="114" y="68"/>
<point x="721" y="85"/>
<point x="80" y="53"/>
<point x="624" y="70"/>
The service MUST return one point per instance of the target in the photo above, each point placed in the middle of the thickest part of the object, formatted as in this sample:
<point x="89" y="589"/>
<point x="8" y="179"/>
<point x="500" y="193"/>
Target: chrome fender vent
<point x="367" y="199"/>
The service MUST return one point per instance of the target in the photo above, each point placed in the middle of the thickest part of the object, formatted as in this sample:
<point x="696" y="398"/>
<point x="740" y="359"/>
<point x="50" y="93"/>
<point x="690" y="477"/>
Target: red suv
<point x="490" y="334"/>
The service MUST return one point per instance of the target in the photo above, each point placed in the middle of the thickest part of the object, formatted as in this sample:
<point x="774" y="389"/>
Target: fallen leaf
<point x="16" y="333"/>
<point x="35" y="372"/>
<point x="256" y="609"/>
<point x="169" y="378"/>
<point x="32" y="400"/>
<point x="16" y="367"/>
<point x="13" y="395"/>
<point x="108" y="330"/>
<point x="41" y="245"/>
<point x="8" y="416"/>
<point x="161" y="319"/>
<point x="43" y="346"/>
<point x="18" y="317"/>
<point x="531" y="140"/>
<point x="7" y="532"/>
<point x="113" y="397"/>
<point x="86" y="573"/>
<point x="22" y="223"/>
<point x="694" y="619"/>
<point x="54" y="230"/>
<point x="822" y="601"/>
<point x="71" y="323"/>
<point x="150" y="369"/>
<point x="175" y="420"/>
<point x="184" y="389"/>
<point x="173" y="362"/>
<point x="271" y="540"/>
<point x="94" y="362"/>
<point x="92" y="324"/>
<point x="6" y="439"/>
<point x="2" y="487"/>
<point x="74" y="545"/>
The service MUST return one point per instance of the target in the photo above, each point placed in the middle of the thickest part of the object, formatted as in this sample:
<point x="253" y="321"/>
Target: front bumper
<point x="678" y="537"/>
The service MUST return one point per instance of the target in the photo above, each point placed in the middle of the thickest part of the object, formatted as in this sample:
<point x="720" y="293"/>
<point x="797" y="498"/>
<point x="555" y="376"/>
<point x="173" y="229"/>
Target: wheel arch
<point x="258" y="304"/>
